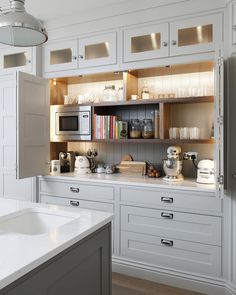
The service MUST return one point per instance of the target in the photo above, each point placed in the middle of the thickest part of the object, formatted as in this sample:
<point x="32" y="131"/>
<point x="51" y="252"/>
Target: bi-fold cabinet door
<point x="146" y="42"/>
<point x="195" y="35"/>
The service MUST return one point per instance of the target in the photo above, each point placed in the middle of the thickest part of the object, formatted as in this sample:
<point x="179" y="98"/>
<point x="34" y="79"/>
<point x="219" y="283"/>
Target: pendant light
<point x="19" y="28"/>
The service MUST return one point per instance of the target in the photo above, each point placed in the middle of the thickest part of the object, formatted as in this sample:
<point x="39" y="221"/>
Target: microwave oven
<point x="69" y="122"/>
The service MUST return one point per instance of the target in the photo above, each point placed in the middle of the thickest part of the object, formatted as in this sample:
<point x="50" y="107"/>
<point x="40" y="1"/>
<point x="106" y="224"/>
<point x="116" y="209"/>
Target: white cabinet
<point x="17" y="59"/>
<point x="195" y="35"/>
<point x="142" y="43"/>
<point x="85" y="52"/>
<point x="188" y="36"/>
<point x="98" y="50"/>
<point x="60" y="56"/>
<point x="10" y="187"/>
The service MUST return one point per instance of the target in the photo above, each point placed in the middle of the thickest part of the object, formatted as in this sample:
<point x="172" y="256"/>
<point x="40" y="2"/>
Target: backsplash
<point x="111" y="153"/>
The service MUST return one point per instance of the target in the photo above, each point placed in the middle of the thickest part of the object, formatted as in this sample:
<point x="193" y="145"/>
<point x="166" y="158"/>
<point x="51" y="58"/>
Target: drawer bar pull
<point x="167" y="200"/>
<point x="74" y="189"/>
<point x="167" y="215"/>
<point x="74" y="203"/>
<point x="168" y="243"/>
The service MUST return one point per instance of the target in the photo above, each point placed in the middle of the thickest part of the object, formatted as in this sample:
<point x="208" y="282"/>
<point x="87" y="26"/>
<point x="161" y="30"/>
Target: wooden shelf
<point x="163" y="141"/>
<point x="177" y="100"/>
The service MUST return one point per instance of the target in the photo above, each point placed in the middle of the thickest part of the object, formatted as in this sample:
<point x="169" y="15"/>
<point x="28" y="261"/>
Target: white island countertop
<point x="144" y="181"/>
<point x="21" y="253"/>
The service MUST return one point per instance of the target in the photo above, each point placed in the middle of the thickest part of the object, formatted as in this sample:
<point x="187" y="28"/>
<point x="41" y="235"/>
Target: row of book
<point x="109" y="127"/>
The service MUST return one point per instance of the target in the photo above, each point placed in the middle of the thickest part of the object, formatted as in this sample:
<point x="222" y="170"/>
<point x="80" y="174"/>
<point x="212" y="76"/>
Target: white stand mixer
<point x="173" y="165"/>
<point x="82" y="165"/>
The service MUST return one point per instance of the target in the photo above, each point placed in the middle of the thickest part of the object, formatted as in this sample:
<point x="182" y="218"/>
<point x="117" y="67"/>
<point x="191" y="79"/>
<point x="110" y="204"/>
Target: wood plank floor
<point x="125" y="285"/>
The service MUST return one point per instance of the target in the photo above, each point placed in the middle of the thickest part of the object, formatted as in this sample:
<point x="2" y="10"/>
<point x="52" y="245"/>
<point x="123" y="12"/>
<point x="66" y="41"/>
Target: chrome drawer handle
<point x="167" y="215"/>
<point x="74" y="189"/>
<point x="168" y="243"/>
<point x="167" y="200"/>
<point x="74" y="203"/>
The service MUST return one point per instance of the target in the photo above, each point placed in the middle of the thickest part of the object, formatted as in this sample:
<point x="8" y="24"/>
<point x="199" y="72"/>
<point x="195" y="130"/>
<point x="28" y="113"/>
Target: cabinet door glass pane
<point x="195" y="35"/>
<point x="61" y="56"/>
<point x="99" y="50"/>
<point x="15" y="60"/>
<point x="146" y="43"/>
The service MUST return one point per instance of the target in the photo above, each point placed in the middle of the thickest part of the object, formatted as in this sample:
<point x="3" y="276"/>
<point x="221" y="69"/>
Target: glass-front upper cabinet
<point x="60" y="56"/>
<point x="98" y="50"/>
<point x="15" y="58"/>
<point x="146" y="42"/>
<point x="195" y="35"/>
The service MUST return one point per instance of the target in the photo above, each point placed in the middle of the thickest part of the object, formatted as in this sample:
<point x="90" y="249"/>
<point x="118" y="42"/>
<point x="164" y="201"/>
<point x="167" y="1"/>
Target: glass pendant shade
<point x="18" y="28"/>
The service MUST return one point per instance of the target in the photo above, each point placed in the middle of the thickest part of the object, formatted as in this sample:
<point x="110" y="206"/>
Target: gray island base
<point x="82" y="269"/>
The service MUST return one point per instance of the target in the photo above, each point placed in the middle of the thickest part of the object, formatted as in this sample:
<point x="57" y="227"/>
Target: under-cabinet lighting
<point x="54" y="82"/>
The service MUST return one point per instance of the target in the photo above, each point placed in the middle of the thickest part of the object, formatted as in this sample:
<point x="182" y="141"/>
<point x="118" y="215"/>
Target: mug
<point x="184" y="133"/>
<point x="174" y="133"/>
<point x="194" y="133"/>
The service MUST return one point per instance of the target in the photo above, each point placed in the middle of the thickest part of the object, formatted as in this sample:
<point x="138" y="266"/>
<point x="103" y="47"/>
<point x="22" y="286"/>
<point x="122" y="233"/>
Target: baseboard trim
<point x="201" y="284"/>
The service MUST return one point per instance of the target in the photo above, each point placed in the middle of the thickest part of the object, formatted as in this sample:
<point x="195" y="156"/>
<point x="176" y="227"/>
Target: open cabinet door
<point x="33" y="127"/>
<point x="219" y="125"/>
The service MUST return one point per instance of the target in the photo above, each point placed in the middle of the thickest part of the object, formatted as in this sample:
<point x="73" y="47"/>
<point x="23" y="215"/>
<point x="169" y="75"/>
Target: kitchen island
<point x="46" y="249"/>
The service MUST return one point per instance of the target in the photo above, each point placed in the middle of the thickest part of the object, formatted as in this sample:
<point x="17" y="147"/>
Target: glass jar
<point x="135" y="129"/>
<point x="148" y="129"/>
<point x="109" y="93"/>
<point x="106" y="93"/>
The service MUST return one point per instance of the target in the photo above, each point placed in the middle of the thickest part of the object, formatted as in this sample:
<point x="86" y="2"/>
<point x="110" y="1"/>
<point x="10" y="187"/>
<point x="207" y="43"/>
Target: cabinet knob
<point x="74" y="189"/>
<point x="164" y="44"/>
<point x="81" y="56"/>
<point x="74" y="203"/>
<point x="234" y="175"/>
<point x="173" y="42"/>
<point x="74" y="57"/>
<point x="234" y="27"/>
<point x="29" y="61"/>
<point x="168" y="243"/>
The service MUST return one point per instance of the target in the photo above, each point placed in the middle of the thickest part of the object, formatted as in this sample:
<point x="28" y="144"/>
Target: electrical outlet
<point x="190" y="155"/>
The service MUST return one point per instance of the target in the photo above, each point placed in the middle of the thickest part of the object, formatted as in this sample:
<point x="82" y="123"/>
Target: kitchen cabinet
<point x="84" y="52"/>
<point x="188" y="36"/>
<point x="146" y="42"/>
<point x="17" y="59"/>
<point x="195" y="35"/>
<point x="60" y="56"/>
<point x="10" y="187"/>
<point x="98" y="50"/>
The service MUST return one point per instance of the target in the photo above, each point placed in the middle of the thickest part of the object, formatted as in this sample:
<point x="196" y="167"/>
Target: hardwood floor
<point x="125" y="285"/>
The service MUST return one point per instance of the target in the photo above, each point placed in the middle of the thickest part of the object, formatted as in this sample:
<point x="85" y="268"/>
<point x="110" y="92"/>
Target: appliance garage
<point x="117" y="147"/>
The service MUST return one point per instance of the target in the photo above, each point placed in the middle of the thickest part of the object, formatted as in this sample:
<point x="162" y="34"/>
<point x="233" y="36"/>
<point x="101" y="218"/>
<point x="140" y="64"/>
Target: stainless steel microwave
<point x="70" y="123"/>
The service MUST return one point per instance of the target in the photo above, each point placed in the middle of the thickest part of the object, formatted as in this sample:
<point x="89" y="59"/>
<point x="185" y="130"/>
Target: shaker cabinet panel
<point x="60" y="56"/>
<point x="98" y="50"/>
<point x="195" y="35"/>
<point x="146" y="42"/>
<point x="14" y="59"/>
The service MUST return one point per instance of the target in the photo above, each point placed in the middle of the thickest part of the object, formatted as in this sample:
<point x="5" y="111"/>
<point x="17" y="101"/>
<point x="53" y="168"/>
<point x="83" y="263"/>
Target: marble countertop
<point x="21" y="253"/>
<point x="119" y="179"/>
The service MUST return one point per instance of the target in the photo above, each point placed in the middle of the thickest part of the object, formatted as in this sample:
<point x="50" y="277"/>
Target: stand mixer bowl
<point x="172" y="168"/>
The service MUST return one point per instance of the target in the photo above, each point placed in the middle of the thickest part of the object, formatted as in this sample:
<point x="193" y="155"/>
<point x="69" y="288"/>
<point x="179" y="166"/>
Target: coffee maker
<point x="67" y="161"/>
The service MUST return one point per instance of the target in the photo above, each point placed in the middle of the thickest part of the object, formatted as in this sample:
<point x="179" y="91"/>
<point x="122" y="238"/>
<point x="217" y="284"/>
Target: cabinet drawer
<point x="182" y="255"/>
<point x="177" y="225"/>
<point x="169" y="199"/>
<point x="78" y="203"/>
<point x="77" y="190"/>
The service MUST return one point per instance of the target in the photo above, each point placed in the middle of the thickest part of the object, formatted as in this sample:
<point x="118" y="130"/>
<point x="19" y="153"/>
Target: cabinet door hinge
<point x="220" y="179"/>
<point x="220" y="61"/>
<point x="220" y="120"/>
